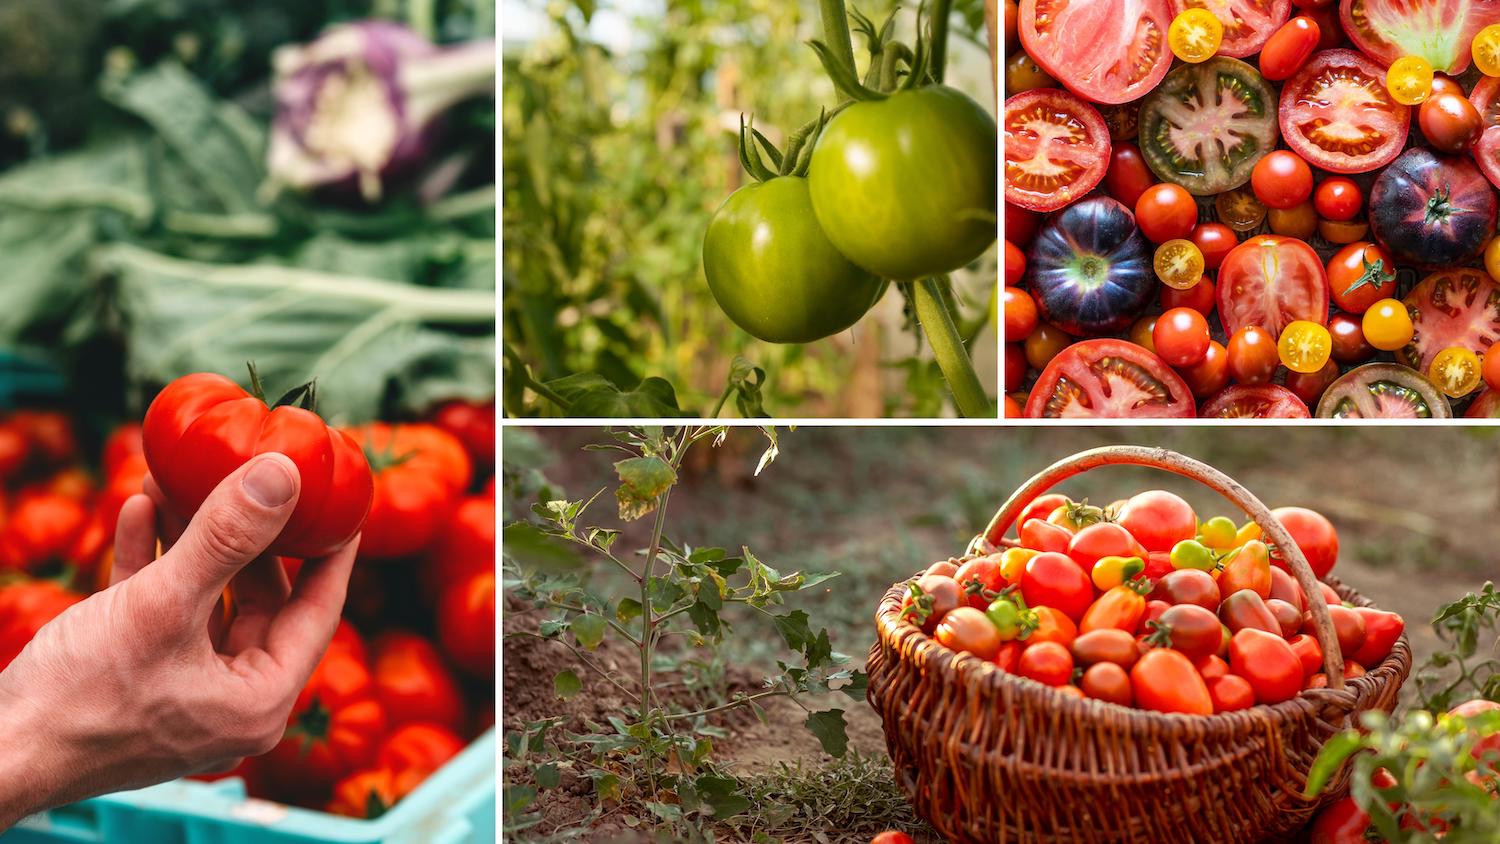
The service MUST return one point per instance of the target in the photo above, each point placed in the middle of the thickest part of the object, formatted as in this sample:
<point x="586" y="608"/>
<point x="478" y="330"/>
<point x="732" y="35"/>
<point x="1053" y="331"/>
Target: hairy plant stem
<point x="648" y="615"/>
<point x="948" y="348"/>
<point x="836" y="32"/>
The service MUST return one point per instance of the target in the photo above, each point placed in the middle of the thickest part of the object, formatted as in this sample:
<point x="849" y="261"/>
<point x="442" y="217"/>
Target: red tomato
<point x="1108" y="681"/>
<point x="1211" y="666"/>
<point x="1042" y="535"/>
<point x="1020" y="313"/>
<point x="420" y="471"/>
<point x="1165" y="681"/>
<point x="1310" y="386"/>
<point x="1015" y="264"/>
<point x="1281" y="180"/>
<point x="1053" y="580"/>
<point x="1338" y="198"/>
<point x="1270" y="281"/>
<point x="49" y="434"/>
<point x="1190" y="629"/>
<point x="1349" y="343"/>
<point x="1104" y="539"/>
<point x="1337" y="114"/>
<point x="1021" y="225"/>
<point x="1359" y="275"/>
<point x="473" y="424"/>
<point x="1046" y="662"/>
<point x="1214" y="240"/>
<point x="1199" y="297"/>
<point x="1188" y="586"/>
<point x="939" y="594"/>
<point x="124" y="444"/>
<point x="1349" y="626"/>
<point x="1308" y="650"/>
<point x="1180" y="337"/>
<point x="412" y="682"/>
<point x="334" y="730"/>
<point x="466" y="624"/>
<point x="1065" y="41"/>
<point x="1158" y="519"/>
<point x="202" y="427"/>
<point x="1128" y="176"/>
<point x="1261" y="401"/>
<point x="1106" y="645"/>
<point x="1109" y="378"/>
<point x="1314" y="535"/>
<point x="1382" y="629"/>
<point x="1119" y="608"/>
<point x="1052" y="626"/>
<point x="370" y="793"/>
<point x="1246" y="610"/>
<point x="1042" y="507"/>
<point x="465" y="544"/>
<point x="981" y="579"/>
<point x="1343" y="822"/>
<point x="1284" y="587"/>
<point x="1056" y="148"/>
<point x="1289" y="48"/>
<point x="1230" y="693"/>
<point x="1267" y="661"/>
<point x="969" y="630"/>
<point x="1015" y="365"/>
<point x="1252" y="355"/>
<point x="42" y="529"/>
<point x="1166" y="211"/>
<point x="891" y="836"/>
<point x="25" y="607"/>
<point x="1247" y="23"/>
<point x="418" y="747"/>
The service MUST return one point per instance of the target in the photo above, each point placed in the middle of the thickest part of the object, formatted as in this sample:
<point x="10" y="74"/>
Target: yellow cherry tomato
<point x="1247" y="532"/>
<point x="1387" y="325"/>
<point x="1013" y="563"/>
<point x="1179" y="263"/>
<point x="1195" y="35"/>
<point x="1492" y="258"/>
<point x="1140" y="333"/>
<point x="1409" y="79"/>
<point x="1455" y="371"/>
<point x="1486" y="49"/>
<point x="1044" y="344"/>
<point x="1304" y="346"/>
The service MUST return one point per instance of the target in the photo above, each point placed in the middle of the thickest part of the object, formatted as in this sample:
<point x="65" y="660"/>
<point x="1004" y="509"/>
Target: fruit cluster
<point x="1141" y="604"/>
<point x="1236" y="224"/>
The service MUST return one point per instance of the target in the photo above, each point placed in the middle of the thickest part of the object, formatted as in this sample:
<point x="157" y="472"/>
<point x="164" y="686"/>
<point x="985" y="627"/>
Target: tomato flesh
<point x="1109" y="379"/>
<point x="1439" y="31"/>
<point x="1452" y="308"/>
<point x="1337" y="114"/>
<point x="1207" y="125"/>
<point x="1255" y="401"/>
<point x="1271" y="281"/>
<point x="1057" y="148"/>
<point x="1106" y="51"/>
<point x="1383" y="391"/>
<point x="1247" y="23"/>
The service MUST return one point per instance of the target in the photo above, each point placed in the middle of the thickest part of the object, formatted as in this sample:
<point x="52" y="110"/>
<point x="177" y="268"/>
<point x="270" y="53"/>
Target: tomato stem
<point x="836" y="33"/>
<point x="948" y="349"/>
<point x="938" y="52"/>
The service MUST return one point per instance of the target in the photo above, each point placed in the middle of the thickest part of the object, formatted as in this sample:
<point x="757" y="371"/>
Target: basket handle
<point x="1171" y="461"/>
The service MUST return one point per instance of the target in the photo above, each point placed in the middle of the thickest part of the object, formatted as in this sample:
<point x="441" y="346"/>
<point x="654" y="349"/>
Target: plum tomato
<point x="1310" y="386"/>
<point x="1207" y="125"/>
<point x="1045" y="343"/>
<point x="1109" y="379"/>
<point x="1046" y="662"/>
<point x="1090" y="270"/>
<point x="1409" y="80"/>
<point x="1106" y="645"/>
<point x="1199" y="297"/>
<point x="1020" y="314"/>
<point x="968" y="630"/>
<point x="1043" y="535"/>
<point x="1386" y="31"/>
<point x="1359" y="275"/>
<point x="1181" y="337"/>
<point x="1338" y="116"/>
<point x="1023" y="74"/>
<point x="1085" y="48"/>
<point x="1209" y="375"/>
<point x="1240" y="210"/>
<point x="1383" y="391"/>
<point x="1258" y="401"/>
<point x="1214" y="240"/>
<point x="1247" y="23"/>
<point x="1108" y="681"/>
<point x="1195" y="35"/>
<point x="1253" y="357"/>
<point x="1382" y="629"/>
<point x="1271" y="281"/>
<point x="1281" y="180"/>
<point x="1268" y="663"/>
<point x="1188" y="586"/>
<point x="1042" y="507"/>
<point x="1304" y="346"/>
<point x="1057" y="149"/>
<point x="1166" y="212"/>
<point x="1307" y="649"/>
<point x="1178" y="263"/>
<point x="1284" y="587"/>
<point x="1450" y="308"/>
<point x="1315" y="537"/>
<point x="1054" y="580"/>
<point x="1455" y="371"/>
<point x="1289" y="48"/>
<point x="1386" y="325"/>
<point x="1300" y="221"/>
<point x="1230" y="693"/>
<point x="1338" y="198"/>
<point x="1127" y="176"/>
<point x="1432" y="210"/>
<point x="1164" y="680"/>
<point x="1053" y="626"/>
<point x="1288" y="616"/>
<point x="1189" y="628"/>
<point x="1349" y="626"/>
<point x="1015" y="264"/>
<point x="1449" y="122"/>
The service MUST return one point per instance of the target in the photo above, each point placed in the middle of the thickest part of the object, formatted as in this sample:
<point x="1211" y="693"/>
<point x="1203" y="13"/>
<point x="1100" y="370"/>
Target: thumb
<point x="236" y="523"/>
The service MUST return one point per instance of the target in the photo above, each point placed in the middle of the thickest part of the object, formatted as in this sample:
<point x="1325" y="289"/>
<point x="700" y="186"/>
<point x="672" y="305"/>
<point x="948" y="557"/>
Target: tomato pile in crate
<point x="408" y="681"/>
<point x="1139" y="604"/>
<point x="1255" y="209"/>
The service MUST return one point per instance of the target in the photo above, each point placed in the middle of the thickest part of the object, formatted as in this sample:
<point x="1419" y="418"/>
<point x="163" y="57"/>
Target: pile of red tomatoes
<point x="1141" y="604"/>
<point x="1261" y="208"/>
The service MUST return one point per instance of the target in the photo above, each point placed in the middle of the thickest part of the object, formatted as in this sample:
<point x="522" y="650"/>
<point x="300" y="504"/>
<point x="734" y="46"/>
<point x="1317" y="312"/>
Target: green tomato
<point x="774" y="272"/>
<point x="905" y="186"/>
<point x="1192" y="554"/>
<point x="1218" y="532"/>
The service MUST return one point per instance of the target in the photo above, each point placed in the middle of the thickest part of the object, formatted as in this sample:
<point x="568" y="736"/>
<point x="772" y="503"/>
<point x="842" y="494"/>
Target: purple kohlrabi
<point x="363" y="102"/>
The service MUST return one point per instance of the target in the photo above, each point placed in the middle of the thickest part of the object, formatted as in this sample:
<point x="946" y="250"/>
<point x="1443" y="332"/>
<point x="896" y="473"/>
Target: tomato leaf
<point x="829" y="727"/>
<point x="642" y="481"/>
<point x="720" y="795"/>
<point x="628" y="610"/>
<point x="1333" y="755"/>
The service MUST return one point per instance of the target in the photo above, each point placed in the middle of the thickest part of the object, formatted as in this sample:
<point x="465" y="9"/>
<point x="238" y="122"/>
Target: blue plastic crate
<point x="456" y="805"/>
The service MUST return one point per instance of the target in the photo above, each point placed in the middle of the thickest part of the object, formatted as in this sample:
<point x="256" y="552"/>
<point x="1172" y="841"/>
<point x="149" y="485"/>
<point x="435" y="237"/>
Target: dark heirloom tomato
<point x="1207" y="125"/>
<point x="1449" y="121"/>
<point x="1109" y="379"/>
<point x="1487" y="406"/>
<point x="1486" y="99"/>
<point x="1337" y="114"/>
<point x="1255" y="401"/>
<point x="1056" y="149"/>
<point x="1270" y="281"/>
<point x="1108" y="51"/>
<point x="1247" y="23"/>
<point x="1459" y="307"/>
<point x="1090" y="269"/>
<point x="1432" y="210"/>
<point x="1439" y="31"/>
<point x="1383" y="391"/>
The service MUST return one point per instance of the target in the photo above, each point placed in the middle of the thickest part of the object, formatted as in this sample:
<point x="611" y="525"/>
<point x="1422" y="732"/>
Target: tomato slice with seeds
<point x="1255" y="401"/>
<point x="1440" y="31"/>
<point x="1337" y="114"/>
<point x="1111" y="379"/>
<point x="1486" y="99"/>
<point x="1247" y="23"/>
<point x="1207" y="124"/>
<point x="1106" y="51"/>
<point x="1056" y="149"/>
<point x="1458" y="307"/>
<point x="1383" y="391"/>
<point x="1271" y="281"/>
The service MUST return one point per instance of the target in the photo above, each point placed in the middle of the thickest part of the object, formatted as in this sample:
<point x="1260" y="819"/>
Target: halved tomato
<point x="1439" y="31"/>
<point x="1271" y="281"/>
<point x="1207" y="125"/>
<point x="1337" y="114"/>
<point x="1383" y="391"/>
<point x="1486" y="99"/>
<point x="1109" y="379"/>
<point x="1247" y="23"/>
<point x="1106" y="51"/>
<point x="1458" y="307"/>
<point x="1056" y="149"/>
<point x="1487" y="406"/>
<point x="1255" y="401"/>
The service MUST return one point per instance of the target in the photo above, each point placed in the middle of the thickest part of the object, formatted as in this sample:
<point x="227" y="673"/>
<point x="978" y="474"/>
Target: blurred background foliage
<point x="619" y="143"/>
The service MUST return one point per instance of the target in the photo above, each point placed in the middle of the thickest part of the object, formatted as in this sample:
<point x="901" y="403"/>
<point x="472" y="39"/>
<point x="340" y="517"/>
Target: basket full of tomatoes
<point x="1128" y="673"/>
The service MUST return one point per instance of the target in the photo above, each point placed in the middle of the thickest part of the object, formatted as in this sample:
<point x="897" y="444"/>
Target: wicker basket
<point x="986" y="756"/>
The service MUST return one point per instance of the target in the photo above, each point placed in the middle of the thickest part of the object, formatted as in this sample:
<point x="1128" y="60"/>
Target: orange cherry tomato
<point x="1289" y="47"/>
<point x="1015" y="264"/>
<point x="1165" y="212"/>
<point x="1109" y="682"/>
<point x="1281" y="180"/>
<point x="1020" y="314"/>
<point x="1253" y="357"/>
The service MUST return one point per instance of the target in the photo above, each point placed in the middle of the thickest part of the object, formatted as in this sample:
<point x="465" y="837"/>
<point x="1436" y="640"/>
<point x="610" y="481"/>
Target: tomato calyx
<point x="920" y="59"/>
<point x="793" y="162"/>
<point x="311" y="726"/>
<point x="1010" y="615"/>
<point x="304" y="396"/>
<point x="1439" y="208"/>
<point x="1374" y="275"/>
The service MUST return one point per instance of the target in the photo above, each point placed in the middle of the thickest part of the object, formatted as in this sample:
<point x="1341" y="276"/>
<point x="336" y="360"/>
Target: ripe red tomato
<point x="370" y="793"/>
<point x="891" y="836"/>
<point x="981" y="578"/>
<point x="49" y="434"/>
<point x="1110" y="379"/>
<point x="1343" y="822"/>
<point x="1180" y="337"/>
<point x="419" y="747"/>
<point x="466" y="624"/>
<point x="473" y="424"/>
<point x="1350" y="627"/>
<point x="1337" y="115"/>
<point x="1199" y="297"/>
<point x="202" y="427"/>
<point x="1042" y="507"/>
<point x="45" y="528"/>
<point x="1214" y="240"/>
<point x="1015" y="264"/>
<point x="1166" y="211"/>
<point x="1104" y="539"/>
<point x="1020" y="314"/>
<point x="1308" y="650"/>
<point x="1382" y="629"/>
<point x="1015" y="366"/>
<point x="1021" y="225"/>
<point x="1046" y="662"/>
<point x="1252" y="355"/>
<point x="1165" y="681"/>
<point x="1349" y="343"/>
<point x="419" y="471"/>
<point x="1188" y="586"/>
<point x="1289" y="48"/>
<point x="1449" y="121"/>
<point x="1338" y="198"/>
<point x="1042" y="535"/>
<point x="1281" y="180"/>
<point x="123" y="444"/>
<point x="334" y="729"/>
<point x="1267" y="661"/>
<point x="1128" y="176"/>
<point x="1108" y="681"/>
<point x="1310" y="386"/>
<point x="25" y="607"/>
<point x="1052" y="626"/>
<point x="969" y="630"/>
<point x="1271" y="281"/>
<point x="1230" y="692"/>
<point x="1158" y="519"/>
<point x="413" y="683"/>
<point x="1314" y="535"/>
<point x="1065" y="42"/>
<point x="465" y="544"/>
<point x="1056" y="148"/>
<point x="1053" y="580"/>
<point x="1191" y="629"/>
<point x="1359" y="275"/>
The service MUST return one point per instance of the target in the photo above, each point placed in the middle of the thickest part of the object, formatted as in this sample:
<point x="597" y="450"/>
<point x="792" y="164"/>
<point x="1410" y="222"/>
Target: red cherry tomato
<point x="1158" y="519"/>
<point x="1288" y="48"/>
<point x="1359" y="275"/>
<point x="1230" y="693"/>
<point x="1020" y="314"/>
<point x="1199" y="297"/>
<point x="1267" y="661"/>
<point x="1021" y="225"/>
<point x="1338" y="198"/>
<point x="1281" y="180"/>
<point x="1210" y="375"/>
<point x="1046" y="662"/>
<point x="1349" y="344"/>
<point x="1314" y="535"/>
<point x="1252" y="355"/>
<point x="1015" y="264"/>
<point x="1105" y="539"/>
<point x="1015" y="365"/>
<point x="1128" y="176"/>
<point x="1053" y="580"/>
<point x="1166" y="211"/>
<point x="1214" y="240"/>
<point x="1181" y="337"/>
<point x="1310" y="386"/>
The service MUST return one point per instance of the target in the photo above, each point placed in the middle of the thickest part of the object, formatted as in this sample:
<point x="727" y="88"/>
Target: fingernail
<point x="269" y="483"/>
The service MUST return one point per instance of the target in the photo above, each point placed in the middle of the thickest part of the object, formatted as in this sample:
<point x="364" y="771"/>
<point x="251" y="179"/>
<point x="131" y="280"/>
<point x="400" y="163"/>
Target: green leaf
<point x="706" y="619"/>
<point x="565" y="684"/>
<point x="518" y="798"/>
<point x="642" y="482"/>
<point x="592" y="395"/>
<point x="532" y="548"/>
<point x="1335" y="751"/>
<point x="858" y="685"/>
<point x="589" y="630"/>
<point x="548" y="776"/>
<point x="720" y="794"/>
<point x="628" y="610"/>
<point x="828" y="726"/>
<point x="794" y="629"/>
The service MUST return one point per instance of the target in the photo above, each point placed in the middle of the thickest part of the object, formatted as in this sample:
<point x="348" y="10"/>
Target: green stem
<point x="582" y="657"/>
<point x="730" y="705"/>
<point x="648" y="623"/>
<point x="836" y="32"/>
<point x="521" y="372"/>
<point x="940" y="14"/>
<point x="948" y="349"/>
<point x="890" y="65"/>
<point x="723" y="397"/>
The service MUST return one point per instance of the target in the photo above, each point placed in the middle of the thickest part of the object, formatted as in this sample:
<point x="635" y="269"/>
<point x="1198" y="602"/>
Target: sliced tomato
<point x="1487" y="406"/>
<point x="1458" y="307"/>
<point x="1486" y="99"/>
<point x="1106" y="51"/>
<point x="1207" y="125"/>
<point x="1383" y="391"/>
<point x="1440" y="31"/>
<point x="1337" y="114"/>
<point x="1247" y="23"/>
<point x="1255" y="401"/>
<point x="1111" y="379"/>
<point x="1270" y="281"/>
<point x="1056" y="149"/>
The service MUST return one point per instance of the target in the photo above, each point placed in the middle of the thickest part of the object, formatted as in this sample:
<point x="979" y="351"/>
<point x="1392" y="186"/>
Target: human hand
<point x="145" y="681"/>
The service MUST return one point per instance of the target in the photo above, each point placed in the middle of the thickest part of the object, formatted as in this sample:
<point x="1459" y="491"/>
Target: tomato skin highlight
<point x="1164" y="680"/>
<point x="1282" y="180"/>
<point x="1166" y="212"/>
<point x="1289" y="48"/>
<point x="1268" y="663"/>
